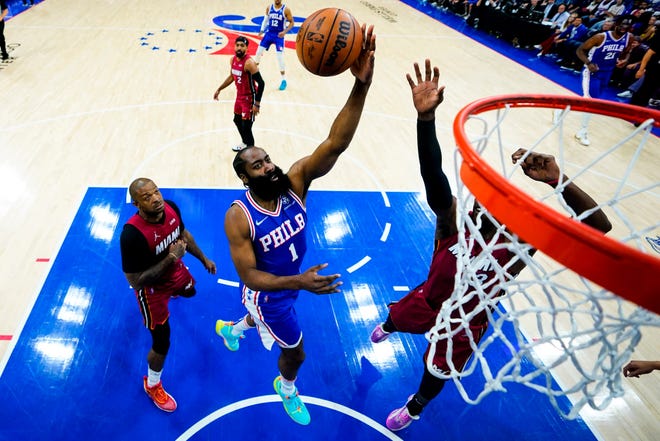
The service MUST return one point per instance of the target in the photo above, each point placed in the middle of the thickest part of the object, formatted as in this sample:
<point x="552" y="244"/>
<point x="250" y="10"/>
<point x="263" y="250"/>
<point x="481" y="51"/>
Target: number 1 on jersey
<point x="294" y="255"/>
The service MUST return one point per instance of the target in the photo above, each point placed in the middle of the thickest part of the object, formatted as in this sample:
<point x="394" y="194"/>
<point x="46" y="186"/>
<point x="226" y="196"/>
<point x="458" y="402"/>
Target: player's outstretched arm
<point x="635" y="368"/>
<point x="321" y="161"/>
<point x="427" y="96"/>
<point x="544" y="168"/>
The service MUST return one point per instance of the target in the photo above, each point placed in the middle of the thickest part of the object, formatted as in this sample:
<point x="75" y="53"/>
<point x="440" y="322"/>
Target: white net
<point x="557" y="332"/>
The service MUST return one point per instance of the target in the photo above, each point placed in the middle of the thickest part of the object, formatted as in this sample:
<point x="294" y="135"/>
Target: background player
<point x="600" y="55"/>
<point x="244" y="72"/>
<point x="277" y="22"/>
<point x="4" y="10"/>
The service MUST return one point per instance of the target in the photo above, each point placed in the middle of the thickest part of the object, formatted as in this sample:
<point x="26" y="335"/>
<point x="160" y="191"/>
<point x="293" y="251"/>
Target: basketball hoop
<point x="581" y="294"/>
<point x="628" y="272"/>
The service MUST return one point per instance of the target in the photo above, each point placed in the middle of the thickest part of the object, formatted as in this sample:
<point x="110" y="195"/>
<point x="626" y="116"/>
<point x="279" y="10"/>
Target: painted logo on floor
<point x="216" y="41"/>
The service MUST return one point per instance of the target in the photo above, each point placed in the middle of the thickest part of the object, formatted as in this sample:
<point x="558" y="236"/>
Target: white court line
<point x="228" y="283"/>
<point x="28" y="311"/>
<point x="386" y="232"/>
<point x="359" y="265"/>
<point x="195" y="428"/>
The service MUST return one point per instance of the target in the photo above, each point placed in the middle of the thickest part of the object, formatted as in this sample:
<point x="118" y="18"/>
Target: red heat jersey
<point x="245" y="86"/>
<point x="159" y="237"/>
<point x="440" y="282"/>
<point x="416" y="313"/>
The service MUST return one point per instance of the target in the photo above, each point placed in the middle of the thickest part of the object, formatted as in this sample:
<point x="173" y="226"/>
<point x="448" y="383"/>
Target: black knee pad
<point x="160" y="338"/>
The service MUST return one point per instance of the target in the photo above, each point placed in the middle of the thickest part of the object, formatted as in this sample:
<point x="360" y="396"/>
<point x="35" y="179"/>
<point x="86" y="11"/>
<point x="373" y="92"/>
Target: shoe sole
<point x="382" y="339"/>
<point x="160" y="408"/>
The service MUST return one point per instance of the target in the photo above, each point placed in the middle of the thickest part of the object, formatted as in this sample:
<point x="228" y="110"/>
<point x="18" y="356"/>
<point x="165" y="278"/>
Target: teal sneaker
<point x="283" y="85"/>
<point x="223" y="329"/>
<point x="292" y="404"/>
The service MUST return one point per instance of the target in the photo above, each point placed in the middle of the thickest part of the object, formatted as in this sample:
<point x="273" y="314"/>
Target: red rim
<point x="617" y="267"/>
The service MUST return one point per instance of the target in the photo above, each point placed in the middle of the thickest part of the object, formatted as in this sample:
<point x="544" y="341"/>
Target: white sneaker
<point x="239" y="147"/>
<point x="625" y="94"/>
<point x="582" y="138"/>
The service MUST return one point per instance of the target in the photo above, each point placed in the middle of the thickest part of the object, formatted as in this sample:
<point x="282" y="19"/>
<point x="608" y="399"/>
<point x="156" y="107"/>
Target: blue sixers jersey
<point x="278" y="237"/>
<point x="276" y="20"/>
<point x="606" y="55"/>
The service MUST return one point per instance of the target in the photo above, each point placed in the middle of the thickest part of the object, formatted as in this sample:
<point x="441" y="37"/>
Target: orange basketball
<point x="329" y="41"/>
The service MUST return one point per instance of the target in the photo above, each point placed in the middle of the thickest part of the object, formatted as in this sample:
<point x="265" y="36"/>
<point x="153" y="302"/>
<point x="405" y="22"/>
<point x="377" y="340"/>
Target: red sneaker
<point x="162" y="399"/>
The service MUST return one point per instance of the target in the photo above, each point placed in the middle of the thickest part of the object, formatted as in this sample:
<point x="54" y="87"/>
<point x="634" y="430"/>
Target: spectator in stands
<point x="643" y="11"/>
<point x="531" y="10"/>
<point x="649" y="69"/>
<point x="469" y="6"/>
<point x="601" y="26"/>
<point x="548" y="45"/>
<point x="590" y="9"/>
<point x="549" y="9"/>
<point x="589" y="15"/>
<point x="624" y="76"/>
<point x="576" y="6"/>
<point x="618" y="8"/>
<point x="603" y="6"/>
<point x="632" y="89"/>
<point x="454" y="6"/>
<point x="558" y="21"/>
<point x="567" y="43"/>
<point x="648" y="31"/>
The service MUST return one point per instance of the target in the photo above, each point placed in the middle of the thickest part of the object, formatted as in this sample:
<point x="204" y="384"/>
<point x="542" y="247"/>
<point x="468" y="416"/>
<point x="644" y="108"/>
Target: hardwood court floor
<point x="102" y="92"/>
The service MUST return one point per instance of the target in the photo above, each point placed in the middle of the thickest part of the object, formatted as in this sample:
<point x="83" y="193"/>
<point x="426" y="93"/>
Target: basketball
<point x="329" y="41"/>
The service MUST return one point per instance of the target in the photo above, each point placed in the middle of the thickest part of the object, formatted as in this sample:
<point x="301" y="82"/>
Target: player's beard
<point x="266" y="189"/>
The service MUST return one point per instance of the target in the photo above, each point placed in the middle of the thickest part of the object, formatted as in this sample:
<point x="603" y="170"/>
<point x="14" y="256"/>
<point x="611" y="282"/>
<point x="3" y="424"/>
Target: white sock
<point x="153" y="378"/>
<point x="280" y="61"/>
<point x="240" y="327"/>
<point x="586" y="117"/>
<point x="287" y="386"/>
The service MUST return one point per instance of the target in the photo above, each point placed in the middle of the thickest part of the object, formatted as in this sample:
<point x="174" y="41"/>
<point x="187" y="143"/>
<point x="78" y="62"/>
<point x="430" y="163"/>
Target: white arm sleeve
<point x="264" y="23"/>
